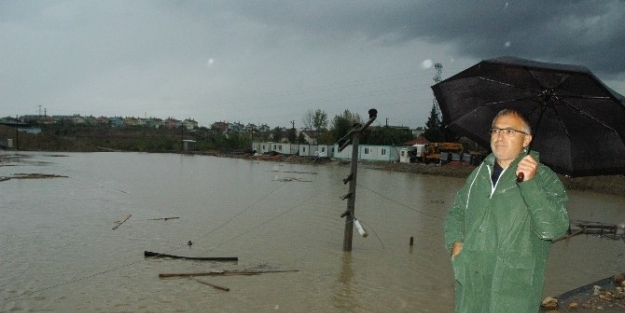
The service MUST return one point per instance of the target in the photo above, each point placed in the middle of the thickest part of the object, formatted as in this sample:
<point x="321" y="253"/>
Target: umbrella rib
<point x="585" y="114"/>
<point x="497" y="82"/>
<point x="582" y="97"/>
<point x="507" y="85"/>
<point x="509" y="100"/>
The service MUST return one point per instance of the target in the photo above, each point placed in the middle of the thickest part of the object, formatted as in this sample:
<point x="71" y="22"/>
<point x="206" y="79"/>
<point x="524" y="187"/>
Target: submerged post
<point x="17" y="128"/>
<point x="351" y="196"/>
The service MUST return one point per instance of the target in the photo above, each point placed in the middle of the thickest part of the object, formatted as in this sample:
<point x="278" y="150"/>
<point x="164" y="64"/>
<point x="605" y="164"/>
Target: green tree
<point x="277" y="134"/>
<point x="433" y="131"/>
<point x="342" y="124"/>
<point x="301" y="138"/>
<point x="385" y="136"/>
<point x="251" y="130"/>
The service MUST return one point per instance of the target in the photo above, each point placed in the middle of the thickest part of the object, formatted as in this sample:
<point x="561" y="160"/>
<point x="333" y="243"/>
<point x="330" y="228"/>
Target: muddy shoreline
<point x="608" y="184"/>
<point x="614" y="184"/>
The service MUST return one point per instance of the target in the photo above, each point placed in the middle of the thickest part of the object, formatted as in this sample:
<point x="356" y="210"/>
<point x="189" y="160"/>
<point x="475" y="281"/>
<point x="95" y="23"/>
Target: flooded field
<point x="61" y="254"/>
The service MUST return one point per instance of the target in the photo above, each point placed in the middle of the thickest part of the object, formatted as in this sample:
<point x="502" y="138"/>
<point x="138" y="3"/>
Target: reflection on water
<point x="344" y="299"/>
<point x="61" y="254"/>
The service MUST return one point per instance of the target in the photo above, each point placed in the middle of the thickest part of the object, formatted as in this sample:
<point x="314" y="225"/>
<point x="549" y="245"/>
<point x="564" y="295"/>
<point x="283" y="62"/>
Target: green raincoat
<point x="506" y="231"/>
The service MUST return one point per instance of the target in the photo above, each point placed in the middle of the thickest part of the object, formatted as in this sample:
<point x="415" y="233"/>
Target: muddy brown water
<point x="59" y="252"/>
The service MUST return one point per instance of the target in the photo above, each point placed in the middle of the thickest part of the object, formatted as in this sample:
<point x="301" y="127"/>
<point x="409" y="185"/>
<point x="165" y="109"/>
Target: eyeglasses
<point x="509" y="132"/>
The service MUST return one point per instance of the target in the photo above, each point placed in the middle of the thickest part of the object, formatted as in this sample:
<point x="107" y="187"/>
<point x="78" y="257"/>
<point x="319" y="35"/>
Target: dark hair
<point x="523" y="117"/>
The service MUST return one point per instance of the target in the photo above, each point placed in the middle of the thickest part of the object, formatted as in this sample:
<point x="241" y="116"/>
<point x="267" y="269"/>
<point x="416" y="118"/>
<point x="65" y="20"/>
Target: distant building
<point x="153" y="122"/>
<point x="310" y="136"/>
<point x="171" y="123"/>
<point x="236" y="127"/>
<point x="78" y="120"/>
<point x="220" y="126"/>
<point x="117" y="121"/>
<point x="384" y="153"/>
<point x="131" y="121"/>
<point x="190" y="124"/>
<point x="188" y="145"/>
<point x="103" y="120"/>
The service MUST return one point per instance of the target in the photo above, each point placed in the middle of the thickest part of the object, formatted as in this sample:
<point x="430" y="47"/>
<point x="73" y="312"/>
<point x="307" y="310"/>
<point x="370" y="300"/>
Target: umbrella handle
<point x="519" y="177"/>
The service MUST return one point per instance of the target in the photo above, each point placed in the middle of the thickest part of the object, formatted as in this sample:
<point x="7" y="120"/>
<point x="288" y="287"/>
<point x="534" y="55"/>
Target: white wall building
<point x="385" y="153"/>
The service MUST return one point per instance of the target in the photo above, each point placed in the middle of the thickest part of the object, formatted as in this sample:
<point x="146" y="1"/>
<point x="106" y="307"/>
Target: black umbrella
<point x="578" y="122"/>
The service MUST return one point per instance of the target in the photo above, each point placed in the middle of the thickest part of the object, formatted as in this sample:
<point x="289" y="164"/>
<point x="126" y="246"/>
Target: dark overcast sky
<point x="271" y="61"/>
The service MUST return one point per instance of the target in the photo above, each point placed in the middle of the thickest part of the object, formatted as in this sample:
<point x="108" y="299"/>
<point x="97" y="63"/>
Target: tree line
<point x="66" y="136"/>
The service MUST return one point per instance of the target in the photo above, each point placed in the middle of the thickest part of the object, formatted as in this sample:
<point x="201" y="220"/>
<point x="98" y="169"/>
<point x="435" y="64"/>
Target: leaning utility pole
<point x="350" y="218"/>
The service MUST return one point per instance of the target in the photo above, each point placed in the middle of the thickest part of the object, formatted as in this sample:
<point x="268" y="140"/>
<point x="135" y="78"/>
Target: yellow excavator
<point x="433" y="150"/>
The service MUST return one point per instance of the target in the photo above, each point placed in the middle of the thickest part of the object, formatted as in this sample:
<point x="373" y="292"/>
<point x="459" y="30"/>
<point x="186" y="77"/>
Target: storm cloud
<point x="271" y="61"/>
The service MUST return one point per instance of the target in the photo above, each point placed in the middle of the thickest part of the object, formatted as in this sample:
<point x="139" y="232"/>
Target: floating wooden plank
<point x="163" y="255"/>
<point x="224" y="273"/>
<point x="165" y="218"/>
<point x="122" y="221"/>
<point x="212" y="285"/>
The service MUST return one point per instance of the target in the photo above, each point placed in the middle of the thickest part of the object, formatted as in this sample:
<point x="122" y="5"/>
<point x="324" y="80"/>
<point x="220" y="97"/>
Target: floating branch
<point x="212" y="285"/>
<point x="164" y="218"/>
<point x="288" y="179"/>
<point x="224" y="273"/>
<point x="163" y="255"/>
<point x="36" y="176"/>
<point x="119" y="223"/>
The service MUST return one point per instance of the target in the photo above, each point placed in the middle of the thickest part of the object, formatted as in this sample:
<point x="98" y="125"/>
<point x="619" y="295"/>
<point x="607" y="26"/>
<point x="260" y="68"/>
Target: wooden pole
<point x="351" y="196"/>
<point x="17" y="127"/>
<point x="351" y="201"/>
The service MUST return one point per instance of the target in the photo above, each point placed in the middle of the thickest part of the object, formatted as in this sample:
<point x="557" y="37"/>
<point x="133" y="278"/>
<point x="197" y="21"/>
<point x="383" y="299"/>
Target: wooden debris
<point x="224" y="273"/>
<point x="119" y="223"/>
<point x="212" y="285"/>
<point x="36" y="176"/>
<point x="291" y="179"/>
<point x="611" y="231"/>
<point x="163" y="255"/>
<point x="165" y="218"/>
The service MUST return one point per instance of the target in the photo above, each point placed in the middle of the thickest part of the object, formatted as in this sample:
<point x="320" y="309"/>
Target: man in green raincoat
<point x="499" y="230"/>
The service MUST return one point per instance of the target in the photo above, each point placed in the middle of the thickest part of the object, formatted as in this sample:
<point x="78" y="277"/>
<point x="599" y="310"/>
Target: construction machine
<point x="433" y="151"/>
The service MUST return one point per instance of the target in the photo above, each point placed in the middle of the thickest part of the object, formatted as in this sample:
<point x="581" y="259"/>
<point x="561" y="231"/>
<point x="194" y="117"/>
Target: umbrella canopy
<point x="577" y="121"/>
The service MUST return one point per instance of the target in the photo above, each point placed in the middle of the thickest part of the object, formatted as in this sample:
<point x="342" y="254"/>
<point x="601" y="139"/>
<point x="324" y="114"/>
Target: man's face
<point x="507" y="147"/>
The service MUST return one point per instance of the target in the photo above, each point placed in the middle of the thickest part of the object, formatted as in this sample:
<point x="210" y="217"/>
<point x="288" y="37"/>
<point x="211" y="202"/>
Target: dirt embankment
<point x="609" y="184"/>
<point x="614" y="184"/>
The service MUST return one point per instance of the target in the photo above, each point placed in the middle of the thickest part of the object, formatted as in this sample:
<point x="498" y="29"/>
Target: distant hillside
<point x="98" y="138"/>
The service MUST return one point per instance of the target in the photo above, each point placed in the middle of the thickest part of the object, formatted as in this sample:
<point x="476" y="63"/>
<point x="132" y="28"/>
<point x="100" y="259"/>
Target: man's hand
<point x="456" y="249"/>
<point x="527" y="166"/>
